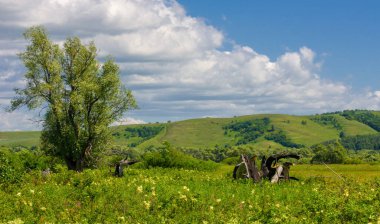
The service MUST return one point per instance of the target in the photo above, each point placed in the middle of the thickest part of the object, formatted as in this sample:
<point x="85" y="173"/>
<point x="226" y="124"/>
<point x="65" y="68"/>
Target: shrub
<point x="168" y="157"/>
<point x="333" y="153"/>
<point x="280" y="137"/>
<point x="232" y="160"/>
<point x="11" y="169"/>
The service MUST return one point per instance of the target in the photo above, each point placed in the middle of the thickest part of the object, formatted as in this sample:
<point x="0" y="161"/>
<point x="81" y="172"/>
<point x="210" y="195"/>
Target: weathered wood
<point x="277" y="175"/>
<point x="252" y="171"/>
<point x="269" y="168"/>
<point x="119" y="170"/>
<point x="120" y="164"/>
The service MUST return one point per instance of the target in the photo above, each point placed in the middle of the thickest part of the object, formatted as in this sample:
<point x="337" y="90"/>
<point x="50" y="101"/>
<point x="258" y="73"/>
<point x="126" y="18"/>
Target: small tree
<point x="333" y="153"/>
<point x="81" y="97"/>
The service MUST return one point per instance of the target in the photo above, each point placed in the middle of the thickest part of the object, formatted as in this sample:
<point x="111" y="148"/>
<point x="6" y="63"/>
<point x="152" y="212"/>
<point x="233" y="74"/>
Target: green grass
<point x="21" y="138"/>
<point x="352" y="127"/>
<point x="208" y="132"/>
<point x="157" y="140"/>
<point x="186" y="196"/>
<point x="265" y="144"/>
<point x="362" y="172"/>
<point x="307" y="134"/>
<point x="122" y="140"/>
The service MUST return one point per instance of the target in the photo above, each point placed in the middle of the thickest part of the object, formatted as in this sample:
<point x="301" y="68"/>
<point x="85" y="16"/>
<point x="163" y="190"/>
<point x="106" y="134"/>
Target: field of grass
<point x="187" y="196"/>
<point x="356" y="172"/>
<point x="352" y="127"/>
<point x="119" y="133"/>
<point x="208" y="132"/>
<point x="307" y="134"/>
<point x="21" y="138"/>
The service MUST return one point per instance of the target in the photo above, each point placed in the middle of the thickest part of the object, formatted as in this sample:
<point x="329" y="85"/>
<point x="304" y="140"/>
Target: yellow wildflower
<point x="346" y="194"/>
<point x="147" y="204"/>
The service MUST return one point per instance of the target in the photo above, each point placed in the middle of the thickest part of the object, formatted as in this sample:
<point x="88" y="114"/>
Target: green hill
<point x="20" y="138"/>
<point x="278" y="130"/>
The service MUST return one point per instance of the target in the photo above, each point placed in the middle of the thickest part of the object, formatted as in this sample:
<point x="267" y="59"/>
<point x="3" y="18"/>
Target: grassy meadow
<point x="20" y="138"/>
<point x="192" y="190"/>
<point x="161" y="195"/>
<point x="208" y="132"/>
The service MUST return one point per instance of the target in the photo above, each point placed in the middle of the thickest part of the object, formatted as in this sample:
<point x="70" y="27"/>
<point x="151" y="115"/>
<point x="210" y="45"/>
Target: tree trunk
<point x="71" y="164"/>
<point x="76" y="165"/>
<point x="276" y="176"/>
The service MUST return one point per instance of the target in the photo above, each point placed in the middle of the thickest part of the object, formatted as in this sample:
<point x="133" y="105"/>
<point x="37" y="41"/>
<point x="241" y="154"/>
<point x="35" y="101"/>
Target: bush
<point x="248" y="131"/>
<point x="281" y="138"/>
<point x="11" y="168"/>
<point x="232" y="160"/>
<point x="333" y="153"/>
<point x="168" y="157"/>
<point x="14" y="163"/>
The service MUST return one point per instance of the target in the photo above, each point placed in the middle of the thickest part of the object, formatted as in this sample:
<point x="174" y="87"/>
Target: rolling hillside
<point x="21" y="138"/>
<point x="209" y="132"/>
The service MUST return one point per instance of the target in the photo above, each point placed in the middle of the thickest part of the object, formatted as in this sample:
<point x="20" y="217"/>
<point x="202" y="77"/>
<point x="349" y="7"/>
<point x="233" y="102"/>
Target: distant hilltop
<point x="261" y="130"/>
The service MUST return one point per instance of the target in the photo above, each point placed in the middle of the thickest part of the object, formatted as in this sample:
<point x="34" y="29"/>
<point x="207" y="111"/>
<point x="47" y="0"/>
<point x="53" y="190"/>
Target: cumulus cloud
<point x="173" y="62"/>
<point x="148" y="30"/>
<point x="128" y="121"/>
<point x="19" y="120"/>
<point x="241" y="81"/>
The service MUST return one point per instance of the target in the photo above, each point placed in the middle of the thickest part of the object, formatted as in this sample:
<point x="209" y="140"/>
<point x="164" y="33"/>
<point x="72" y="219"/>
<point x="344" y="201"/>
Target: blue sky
<point x="189" y="59"/>
<point x="345" y="34"/>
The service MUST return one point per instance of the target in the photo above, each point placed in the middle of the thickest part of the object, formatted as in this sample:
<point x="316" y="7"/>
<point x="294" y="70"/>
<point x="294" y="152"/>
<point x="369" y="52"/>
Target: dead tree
<point x="271" y="164"/>
<point x="270" y="169"/>
<point x="122" y="163"/>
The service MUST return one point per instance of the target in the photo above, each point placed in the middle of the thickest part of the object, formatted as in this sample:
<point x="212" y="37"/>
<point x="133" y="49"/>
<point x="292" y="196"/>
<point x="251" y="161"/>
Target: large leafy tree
<point x="80" y="96"/>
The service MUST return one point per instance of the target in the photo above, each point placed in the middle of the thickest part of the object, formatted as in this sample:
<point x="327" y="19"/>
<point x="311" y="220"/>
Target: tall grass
<point x="162" y="195"/>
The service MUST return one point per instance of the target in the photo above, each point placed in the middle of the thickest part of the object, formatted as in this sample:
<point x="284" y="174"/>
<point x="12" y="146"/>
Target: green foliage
<point x="363" y="156"/>
<point x="11" y="170"/>
<point x="216" y="154"/>
<point x="145" y="132"/>
<point x="81" y="97"/>
<point x="326" y="119"/>
<point x="232" y="160"/>
<point x="187" y="196"/>
<point x="361" y="142"/>
<point x="248" y="131"/>
<point x="332" y="153"/>
<point x="364" y="116"/>
<point x="169" y="157"/>
<point x="280" y="137"/>
<point x="14" y="163"/>
<point x="204" y="134"/>
<point x="139" y="134"/>
<point x="117" y="153"/>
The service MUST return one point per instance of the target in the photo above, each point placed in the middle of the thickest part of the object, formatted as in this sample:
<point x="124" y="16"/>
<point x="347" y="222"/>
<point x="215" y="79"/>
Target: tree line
<point x="249" y="131"/>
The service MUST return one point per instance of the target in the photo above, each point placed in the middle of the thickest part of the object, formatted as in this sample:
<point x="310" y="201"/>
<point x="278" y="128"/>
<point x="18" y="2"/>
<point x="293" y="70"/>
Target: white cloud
<point x="152" y="29"/>
<point x="128" y="121"/>
<point x="173" y="62"/>
<point x="243" y="74"/>
<point x="18" y="120"/>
